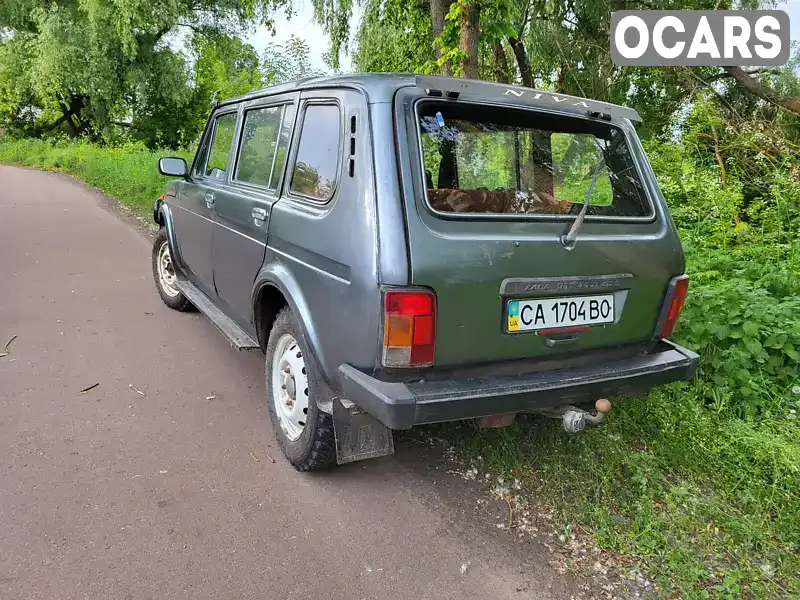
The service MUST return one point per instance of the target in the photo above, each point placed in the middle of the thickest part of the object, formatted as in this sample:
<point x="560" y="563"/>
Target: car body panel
<point x="330" y="249"/>
<point x="194" y="214"/>
<point x="240" y="237"/>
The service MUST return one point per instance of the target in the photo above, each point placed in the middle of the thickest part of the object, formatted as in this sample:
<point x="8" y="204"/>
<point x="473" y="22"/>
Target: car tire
<point x="293" y="387"/>
<point x="165" y="275"/>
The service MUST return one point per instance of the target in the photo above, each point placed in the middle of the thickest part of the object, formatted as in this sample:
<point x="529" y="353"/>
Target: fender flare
<point x="162" y="215"/>
<point x="276" y="275"/>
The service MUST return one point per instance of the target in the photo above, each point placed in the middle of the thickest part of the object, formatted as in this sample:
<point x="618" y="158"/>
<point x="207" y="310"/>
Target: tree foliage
<point x="82" y="66"/>
<point x="287" y="62"/>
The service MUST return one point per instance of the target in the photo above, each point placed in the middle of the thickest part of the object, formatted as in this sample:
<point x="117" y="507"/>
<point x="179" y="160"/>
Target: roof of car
<point x="381" y="87"/>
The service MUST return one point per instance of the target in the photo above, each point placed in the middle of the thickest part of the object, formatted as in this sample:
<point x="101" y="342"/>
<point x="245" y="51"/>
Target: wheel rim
<point x="166" y="271"/>
<point x="290" y="386"/>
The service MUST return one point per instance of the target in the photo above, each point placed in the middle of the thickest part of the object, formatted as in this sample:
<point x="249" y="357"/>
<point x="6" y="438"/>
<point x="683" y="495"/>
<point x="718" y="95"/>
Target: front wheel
<point x="165" y="276"/>
<point x="305" y="433"/>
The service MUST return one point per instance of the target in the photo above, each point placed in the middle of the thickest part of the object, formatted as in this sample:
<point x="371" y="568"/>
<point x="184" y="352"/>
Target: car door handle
<point x="259" y="215"/>
<point x="209" y="199"/>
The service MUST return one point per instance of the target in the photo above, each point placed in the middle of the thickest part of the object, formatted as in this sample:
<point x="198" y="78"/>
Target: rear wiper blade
<point x="568" y="240"/>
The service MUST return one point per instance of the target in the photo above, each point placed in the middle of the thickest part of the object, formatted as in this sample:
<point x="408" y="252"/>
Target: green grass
<point x="699" y="481"/>
<point x="708" y="504"/>
<point x="128" y="172"/>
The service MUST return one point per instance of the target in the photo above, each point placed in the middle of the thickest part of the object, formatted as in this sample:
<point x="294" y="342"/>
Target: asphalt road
<point x="113" y="494"/>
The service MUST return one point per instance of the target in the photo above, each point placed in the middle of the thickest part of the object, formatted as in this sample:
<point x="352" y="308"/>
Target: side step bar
<point x="237" y="336"/>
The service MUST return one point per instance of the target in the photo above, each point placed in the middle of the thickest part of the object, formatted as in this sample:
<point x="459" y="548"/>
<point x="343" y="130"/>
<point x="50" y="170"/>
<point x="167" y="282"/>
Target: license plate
<point x="555" y="313"/>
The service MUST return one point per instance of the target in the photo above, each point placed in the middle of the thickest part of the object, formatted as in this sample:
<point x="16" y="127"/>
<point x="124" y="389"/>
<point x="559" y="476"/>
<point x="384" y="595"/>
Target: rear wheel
<point x="165" y="275"/>
<point x="305" y="433"/>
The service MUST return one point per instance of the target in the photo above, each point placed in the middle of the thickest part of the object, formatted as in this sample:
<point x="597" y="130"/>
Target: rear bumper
<point x="402" y="405"/>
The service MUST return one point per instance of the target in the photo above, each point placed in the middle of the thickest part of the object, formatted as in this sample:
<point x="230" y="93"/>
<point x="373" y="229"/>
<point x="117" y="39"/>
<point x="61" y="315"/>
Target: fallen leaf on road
<point x="5" y="351"/>
<point x="137" y="390"/>
<point x="86" y="389"/>
<point x="255" y="458"/>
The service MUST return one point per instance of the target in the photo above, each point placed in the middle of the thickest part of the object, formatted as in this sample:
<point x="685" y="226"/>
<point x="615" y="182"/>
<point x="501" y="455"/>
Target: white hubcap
<point x="166" y="272"/>
<point x="290" y="386"/>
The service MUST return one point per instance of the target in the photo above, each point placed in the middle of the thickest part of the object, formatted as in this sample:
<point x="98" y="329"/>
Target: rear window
<point x="487" y="160"/>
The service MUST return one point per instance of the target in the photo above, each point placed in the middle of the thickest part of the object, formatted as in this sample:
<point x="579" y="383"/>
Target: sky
<point x="303" y="26"/>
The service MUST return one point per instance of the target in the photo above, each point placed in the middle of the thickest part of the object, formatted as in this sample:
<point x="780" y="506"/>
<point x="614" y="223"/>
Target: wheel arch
<point x="276" y="287"/>
<point x="162" y="215"/>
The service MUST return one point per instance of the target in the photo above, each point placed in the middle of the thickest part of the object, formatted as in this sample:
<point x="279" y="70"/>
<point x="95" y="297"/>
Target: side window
<point x="220" y="151"/>
<point x="317" y="164"/>
<point x="263" y="147"/>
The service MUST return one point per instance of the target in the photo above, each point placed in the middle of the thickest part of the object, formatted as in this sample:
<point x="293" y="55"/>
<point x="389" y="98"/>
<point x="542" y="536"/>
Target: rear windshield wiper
<point x="568" y="240"/>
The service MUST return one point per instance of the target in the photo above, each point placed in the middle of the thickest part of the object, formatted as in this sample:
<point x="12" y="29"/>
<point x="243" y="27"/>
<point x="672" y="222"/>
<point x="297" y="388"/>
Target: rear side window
<point x="263" y="146"/>
<point x="489" y="160"/>
<point x="219" y="155"/>
<point x="317" y="164"/>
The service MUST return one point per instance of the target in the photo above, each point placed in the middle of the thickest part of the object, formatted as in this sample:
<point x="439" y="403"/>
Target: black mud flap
<point x="359" y="435"/>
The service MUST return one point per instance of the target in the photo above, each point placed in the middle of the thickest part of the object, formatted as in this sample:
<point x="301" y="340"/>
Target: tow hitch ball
<point x="576" y="419"/>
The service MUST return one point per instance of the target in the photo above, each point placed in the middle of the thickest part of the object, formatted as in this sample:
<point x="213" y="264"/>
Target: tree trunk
<point x="723" y="176"/>
<point x="468" y="39"/>
<point x="522" y="61"/>
<point x="69" y="109"/>
<point x="755" y="87"/>
<point x="500" y="63"/>
<point x="439" y="9"/>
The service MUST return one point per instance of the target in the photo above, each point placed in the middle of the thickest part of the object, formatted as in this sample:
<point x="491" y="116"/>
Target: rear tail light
<point x="676" y="295"/>
<point x="409" y="328"/>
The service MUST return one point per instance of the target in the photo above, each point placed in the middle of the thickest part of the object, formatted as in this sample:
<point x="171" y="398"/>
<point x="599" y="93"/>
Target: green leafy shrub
<point x="128" y="172"/>
<point x="749" y="340"/>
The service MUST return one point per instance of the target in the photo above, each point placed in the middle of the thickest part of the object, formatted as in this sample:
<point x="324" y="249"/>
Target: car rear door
<point x="243" y="204"/>
<point x="489" y="194"/>
<point x="194" y="219"/>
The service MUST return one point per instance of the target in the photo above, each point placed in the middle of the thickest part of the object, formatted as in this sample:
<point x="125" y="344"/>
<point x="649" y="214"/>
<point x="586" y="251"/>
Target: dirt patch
<point x="509" y="517"/>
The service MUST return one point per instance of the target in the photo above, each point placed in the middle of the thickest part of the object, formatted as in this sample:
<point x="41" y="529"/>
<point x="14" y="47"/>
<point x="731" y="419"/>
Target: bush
<point x="748" y="335"/>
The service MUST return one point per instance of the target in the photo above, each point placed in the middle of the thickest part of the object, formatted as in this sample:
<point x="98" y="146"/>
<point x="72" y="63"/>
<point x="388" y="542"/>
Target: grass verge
<point x="129" y="172"/>
<point x="706" y="505"/>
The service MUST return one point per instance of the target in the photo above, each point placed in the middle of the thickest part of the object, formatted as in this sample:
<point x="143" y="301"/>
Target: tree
<point x="85" y="58"/>
<point x="752" y="85"/>
<point x="451" y="28"/>
<point x="224" y="64"/>
<point x="282" y="63"/>
<point x="395" y="37"/>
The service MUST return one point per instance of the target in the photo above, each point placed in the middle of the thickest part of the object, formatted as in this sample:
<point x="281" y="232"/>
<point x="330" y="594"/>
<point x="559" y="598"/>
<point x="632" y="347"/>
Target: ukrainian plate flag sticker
<point x="513" y="315"/>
